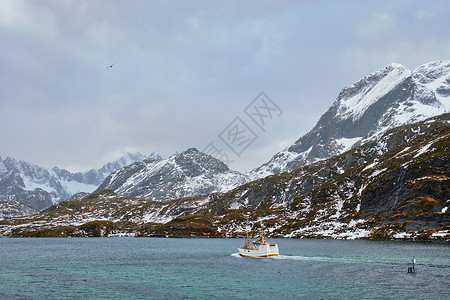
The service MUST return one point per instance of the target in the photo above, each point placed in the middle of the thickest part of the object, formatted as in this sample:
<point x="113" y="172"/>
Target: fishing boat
<point x="258" y="247"/>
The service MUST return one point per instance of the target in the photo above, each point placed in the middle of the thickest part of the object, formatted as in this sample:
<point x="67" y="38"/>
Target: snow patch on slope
<point x="356" y="105"/>
<point x="279" y="163"/>
<point x="347" y="143"/>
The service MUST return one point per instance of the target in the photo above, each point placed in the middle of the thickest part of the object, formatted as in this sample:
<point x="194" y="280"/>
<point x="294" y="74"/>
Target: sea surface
<point x="164" y="268"/>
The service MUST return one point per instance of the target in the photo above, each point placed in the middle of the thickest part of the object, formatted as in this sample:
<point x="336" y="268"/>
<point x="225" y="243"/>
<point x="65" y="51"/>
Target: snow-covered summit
<point x="354" y="100"/>
<point x="123" y="161"/>
<point x="186" y="174"/>
<point x="382" y="100"/>
<point x="436" y="77"/>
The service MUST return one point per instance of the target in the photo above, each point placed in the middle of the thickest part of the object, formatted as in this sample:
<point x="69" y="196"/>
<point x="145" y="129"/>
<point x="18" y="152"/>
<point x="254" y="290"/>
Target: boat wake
<point x="303" y="258"/>
<point x="313" y="258"/>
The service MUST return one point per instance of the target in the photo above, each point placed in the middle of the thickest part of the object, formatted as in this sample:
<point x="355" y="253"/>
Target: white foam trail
<point x="313" y="258"/>
<point x="296" y="257"/>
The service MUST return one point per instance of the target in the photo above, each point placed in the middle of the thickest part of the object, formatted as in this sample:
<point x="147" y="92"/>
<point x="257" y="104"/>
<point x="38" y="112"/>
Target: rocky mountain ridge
<point x="42" y="187"/>
<point x="186" y="174"/>
<point x="394" y="187"/>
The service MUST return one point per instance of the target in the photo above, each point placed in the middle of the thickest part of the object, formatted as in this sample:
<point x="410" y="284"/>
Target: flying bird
<point x="111" y="66"/>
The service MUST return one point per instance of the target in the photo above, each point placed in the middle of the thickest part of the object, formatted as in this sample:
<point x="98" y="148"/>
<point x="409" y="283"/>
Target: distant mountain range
<point x="41" y="187"/>
<point x="371" y="167"/>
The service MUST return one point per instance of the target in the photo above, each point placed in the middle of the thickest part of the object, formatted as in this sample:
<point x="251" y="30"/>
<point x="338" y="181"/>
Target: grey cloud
<point x="185" y="69"/>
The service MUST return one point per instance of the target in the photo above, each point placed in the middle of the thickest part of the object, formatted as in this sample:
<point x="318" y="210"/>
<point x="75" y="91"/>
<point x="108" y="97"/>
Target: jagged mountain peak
<point x="123" y="161"/>
<point x="154" y="156"/>
<point x="191" y="150"/>
<point x="434" y="78"/>
<point x="199" y="163"/>
<point x="188" y="173"/>
<point x="382" y="100"/>
<point x="11" y="162"/>
<point x="433" y="71"/>
<point x="130" y="158"/>
<point x="354" y="100"/>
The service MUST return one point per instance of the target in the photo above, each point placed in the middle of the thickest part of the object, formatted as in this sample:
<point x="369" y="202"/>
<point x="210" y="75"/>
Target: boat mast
<point x="262" y="235"/>
<point x="247" y="240"/>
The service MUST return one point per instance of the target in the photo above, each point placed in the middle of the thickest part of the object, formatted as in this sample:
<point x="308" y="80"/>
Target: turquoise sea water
<point x="153" y="268"/>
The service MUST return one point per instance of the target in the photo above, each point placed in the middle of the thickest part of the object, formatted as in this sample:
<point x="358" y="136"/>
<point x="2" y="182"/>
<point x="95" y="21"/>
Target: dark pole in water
<point x="411" y="268"/>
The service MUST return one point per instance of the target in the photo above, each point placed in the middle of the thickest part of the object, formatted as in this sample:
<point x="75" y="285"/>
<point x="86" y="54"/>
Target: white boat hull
<point x="265" y="250"/>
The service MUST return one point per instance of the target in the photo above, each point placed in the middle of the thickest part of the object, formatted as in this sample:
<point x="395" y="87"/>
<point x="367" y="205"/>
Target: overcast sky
<point x="183" y="71"/>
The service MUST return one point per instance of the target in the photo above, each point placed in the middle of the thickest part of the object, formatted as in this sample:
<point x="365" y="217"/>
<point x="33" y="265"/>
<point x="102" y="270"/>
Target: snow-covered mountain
<point x="385" y="99"/>
<point x="393" y="187"/>
<point x="186" y="174"/>
<point x="41" y="187"/>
